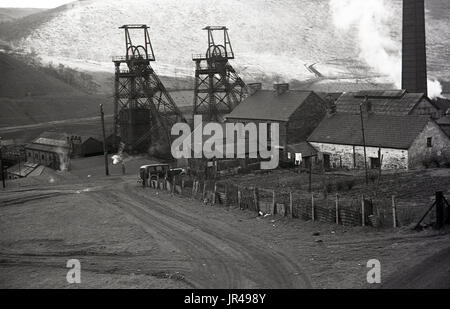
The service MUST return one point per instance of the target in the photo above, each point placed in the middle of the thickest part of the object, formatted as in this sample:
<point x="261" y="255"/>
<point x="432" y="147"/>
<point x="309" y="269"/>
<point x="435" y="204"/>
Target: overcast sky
<point x="33" y="3"/>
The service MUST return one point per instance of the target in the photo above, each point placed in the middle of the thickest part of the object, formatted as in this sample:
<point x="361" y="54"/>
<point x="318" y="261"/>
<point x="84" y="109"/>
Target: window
<point x="429" y="142"/>
<point x="43" y="157"/>
<point x="375" y="163"/>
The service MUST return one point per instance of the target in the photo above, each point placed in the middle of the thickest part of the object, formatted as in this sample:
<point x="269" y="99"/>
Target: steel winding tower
<point x="218" y="88"/>
<point x="143" y="109"/>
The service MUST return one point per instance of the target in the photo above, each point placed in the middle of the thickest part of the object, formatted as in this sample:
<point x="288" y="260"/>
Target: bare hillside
<point x="272" y="39"/>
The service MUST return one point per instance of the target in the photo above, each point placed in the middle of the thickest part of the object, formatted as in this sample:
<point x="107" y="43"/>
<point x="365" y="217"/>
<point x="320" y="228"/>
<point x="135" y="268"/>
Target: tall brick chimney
<point x="414" y="59"/>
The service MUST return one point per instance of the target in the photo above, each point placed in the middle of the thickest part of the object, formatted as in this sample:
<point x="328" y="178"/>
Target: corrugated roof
<point x="53" y="139"/>
<point x="392" y="102"/>
<point x="48" y="148"/>
<point x="380" y="130"/>
<point x="268" y="105"/>
<point x="23" y="169"/>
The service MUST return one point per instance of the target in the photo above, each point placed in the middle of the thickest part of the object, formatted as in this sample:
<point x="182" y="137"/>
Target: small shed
<point x="301" y="153"/>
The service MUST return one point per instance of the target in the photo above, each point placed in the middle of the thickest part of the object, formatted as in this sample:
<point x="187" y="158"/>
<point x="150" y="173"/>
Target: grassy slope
<point x="29" y="96"/>
<point x="9" y="14"/>
<point x="19" y="80"/>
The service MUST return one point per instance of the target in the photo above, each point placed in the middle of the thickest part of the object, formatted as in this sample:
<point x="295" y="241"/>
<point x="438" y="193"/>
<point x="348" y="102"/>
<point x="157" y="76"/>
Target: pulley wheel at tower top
<point x="137" y="52"/>
<point x="216" y="51"/>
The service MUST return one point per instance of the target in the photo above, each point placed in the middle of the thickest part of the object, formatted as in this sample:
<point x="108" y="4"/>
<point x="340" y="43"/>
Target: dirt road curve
<point x="197" y="251"/>
<point x="127" y="236"/>
<point x="208" y="253"/>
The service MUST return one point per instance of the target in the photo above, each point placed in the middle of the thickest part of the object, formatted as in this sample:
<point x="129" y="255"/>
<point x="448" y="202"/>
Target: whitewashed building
<point x="395" y="142"/>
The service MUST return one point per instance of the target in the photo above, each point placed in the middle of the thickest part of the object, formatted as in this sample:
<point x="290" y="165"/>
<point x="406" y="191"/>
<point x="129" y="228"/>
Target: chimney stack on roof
<point x="281" y="88"/>
<point x="254" y="87"/>
<point x="331" y="105"/>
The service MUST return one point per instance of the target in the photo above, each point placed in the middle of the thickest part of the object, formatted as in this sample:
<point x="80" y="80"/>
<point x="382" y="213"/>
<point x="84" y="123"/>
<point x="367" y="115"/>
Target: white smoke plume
<point x="434" y="89"/>
<point x="119" y="157"/>
<point x="373" y="20"/>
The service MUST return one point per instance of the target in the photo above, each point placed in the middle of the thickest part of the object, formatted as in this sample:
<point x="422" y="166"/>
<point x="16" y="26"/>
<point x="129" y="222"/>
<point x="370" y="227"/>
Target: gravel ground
<point x="129" y="237"/>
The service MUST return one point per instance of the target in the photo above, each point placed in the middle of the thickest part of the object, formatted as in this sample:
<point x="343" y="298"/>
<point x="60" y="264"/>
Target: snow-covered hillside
<point x="271" y="38"/>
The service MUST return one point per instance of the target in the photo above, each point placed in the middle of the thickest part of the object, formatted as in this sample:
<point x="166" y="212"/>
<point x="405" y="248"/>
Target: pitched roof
<point x="52" y="139"/>
<point x="23" y="169"/>
<point x="442" y="104"/>
<point x="229" y="147"/>
<point x="48" y="148"/>
<point x="444" y="120"/>
<point x="304" y="148"/>
<point x="268" y="105"/>
<point x="444" y="123"/>
<point x="388" y="102"/>
<point x="380" y="130"/>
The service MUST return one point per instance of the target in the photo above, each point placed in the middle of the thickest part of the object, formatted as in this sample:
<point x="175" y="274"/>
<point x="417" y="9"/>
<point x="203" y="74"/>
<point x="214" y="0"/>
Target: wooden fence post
<point x="174" y="184"/>
<point x="337" y="209"/>
<point x="291" y="205"/>
<point x="274" y="210"/>
<point x="215" y="192"/>
<point x="204" y="190"/>
<point x="255" y="197"/>
<point x="239" y="198"/>
<point x="394" y="212"/>
<point x="226" y="195"/>
<point x="363" y="214"/>
<point x="312" y="207"/>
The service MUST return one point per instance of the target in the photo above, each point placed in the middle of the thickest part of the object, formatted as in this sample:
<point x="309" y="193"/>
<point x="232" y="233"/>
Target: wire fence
<point x="347" y="211"/>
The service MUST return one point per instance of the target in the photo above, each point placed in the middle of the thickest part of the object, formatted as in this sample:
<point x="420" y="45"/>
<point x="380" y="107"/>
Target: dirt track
<point x="218" y="256"/>
<point x="200" y="252"/>
<point x="127" y="236"/>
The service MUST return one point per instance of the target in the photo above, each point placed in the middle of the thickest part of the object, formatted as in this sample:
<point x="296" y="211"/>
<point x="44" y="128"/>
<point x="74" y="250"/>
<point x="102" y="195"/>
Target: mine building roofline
<point x="135" y="26"/>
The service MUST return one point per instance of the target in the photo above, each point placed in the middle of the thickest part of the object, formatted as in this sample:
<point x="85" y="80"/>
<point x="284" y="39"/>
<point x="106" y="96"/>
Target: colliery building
<point x="50" y="149"/>
<point x="54" y="149"/>
<point x="297" y="112"/>
<point x="390" y="102"/>
<point x="397" y="134"/>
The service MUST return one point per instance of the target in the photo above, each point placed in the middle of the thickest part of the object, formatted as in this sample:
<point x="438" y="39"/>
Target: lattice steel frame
<point x="218" y="87"/>
<point x="139" y="87"/>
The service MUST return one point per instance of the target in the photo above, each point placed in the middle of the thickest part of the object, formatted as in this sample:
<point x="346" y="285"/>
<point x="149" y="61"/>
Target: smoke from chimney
<point x="373" y="21"/>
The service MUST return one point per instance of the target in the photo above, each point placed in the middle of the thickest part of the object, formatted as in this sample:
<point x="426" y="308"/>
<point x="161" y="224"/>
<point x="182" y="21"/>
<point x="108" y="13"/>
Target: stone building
<point x="395" y="142"/>
<point x="297" y="113"/>
<point x="388" y="102"/>
<point x="444" y="123"/>
<point x="85" y="146"/>
<point x="50" y="149"/>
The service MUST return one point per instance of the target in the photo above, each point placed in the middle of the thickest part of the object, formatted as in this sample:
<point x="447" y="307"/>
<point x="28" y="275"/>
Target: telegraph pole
<point x="364" y="138"/>
<point x="105" y="149"/>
